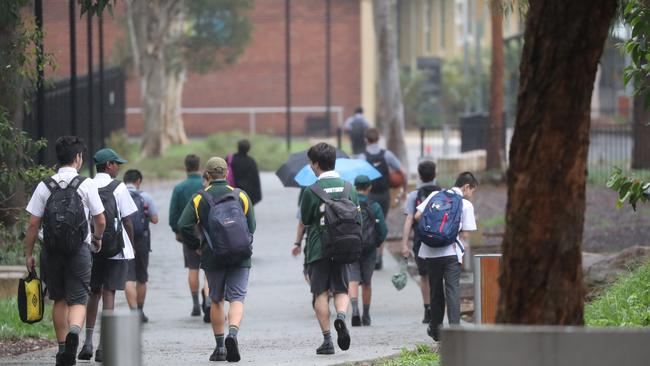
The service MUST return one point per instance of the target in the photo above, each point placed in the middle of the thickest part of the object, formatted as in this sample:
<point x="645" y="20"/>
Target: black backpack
<point x="423" y="193"/>
<point x="341" y="239"/>
<point x="379" y="185"/>
<point x="65" y="224"/>
<point x="113" y="239"/>
<point x="227" y="231"/>
<point x="357" y="135"/>
<point x="139" y="218"/>
<point x="368" y="227"/>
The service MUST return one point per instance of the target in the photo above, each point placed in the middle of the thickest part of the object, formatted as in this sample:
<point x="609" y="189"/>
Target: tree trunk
<point x="541" y="279"/>
<point x="641" y="134"/>
<point x="495" y="151"/>
<point x="391" y="108"/>
<point x="155" y="28"/>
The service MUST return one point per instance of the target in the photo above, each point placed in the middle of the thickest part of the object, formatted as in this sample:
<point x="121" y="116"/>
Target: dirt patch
<point x="14" y="347"/>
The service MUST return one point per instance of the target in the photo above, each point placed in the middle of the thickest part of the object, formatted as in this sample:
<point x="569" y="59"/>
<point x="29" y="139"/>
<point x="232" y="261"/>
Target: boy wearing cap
<point x="361" y="271"/>
<point x="109" y="274"/>
<point x="227" y="282"/>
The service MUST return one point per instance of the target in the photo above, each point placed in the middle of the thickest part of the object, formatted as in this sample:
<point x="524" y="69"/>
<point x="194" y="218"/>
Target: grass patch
<point x="493" y="222"/>
<point x="12" y="328"/>
<point x="422" y="355"/>
<point x="626" y="303"/>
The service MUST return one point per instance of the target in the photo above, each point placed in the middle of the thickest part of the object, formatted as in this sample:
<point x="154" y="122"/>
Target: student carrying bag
<point x="30" y="299"/>
<point x="440" y="221"/>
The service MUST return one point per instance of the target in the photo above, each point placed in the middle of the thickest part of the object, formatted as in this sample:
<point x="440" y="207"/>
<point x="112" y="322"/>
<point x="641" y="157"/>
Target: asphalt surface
<point x="279" y="326"/>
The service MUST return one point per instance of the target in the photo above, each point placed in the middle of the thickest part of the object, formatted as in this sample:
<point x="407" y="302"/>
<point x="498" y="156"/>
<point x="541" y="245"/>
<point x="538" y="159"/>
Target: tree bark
<point x="541" y="278"/>
<point x="495" y="151"/>
<point x="155" y="28"/>
<point x="391" y="108"/>
<point x="641" y="134"/>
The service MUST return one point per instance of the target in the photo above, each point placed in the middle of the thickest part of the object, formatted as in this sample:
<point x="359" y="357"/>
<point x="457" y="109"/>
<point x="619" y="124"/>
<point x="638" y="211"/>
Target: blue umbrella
<point x="349" y="169"/>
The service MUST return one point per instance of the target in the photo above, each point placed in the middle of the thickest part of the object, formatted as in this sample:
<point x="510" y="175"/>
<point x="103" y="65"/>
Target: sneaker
<point x="365" y="320"/>
<point x="59" y="362"/>
<point x="143" y="318"/>
<point x="427" y="317"/>
<point x="99" y="356"/>
<point x="86" y="352"/>
<point x="327" y="348"/>
<point x="219" y="354"/>
<point x="379" y="264"/>
<point x="196" y="311"/>
<point x="356" y="321"/>
<point x="434" y="332"/>
<point x="69" y="355"/>
<point x="206" y="314"/>
<point x="232" y="349"/>
<point x="343" y="336"/>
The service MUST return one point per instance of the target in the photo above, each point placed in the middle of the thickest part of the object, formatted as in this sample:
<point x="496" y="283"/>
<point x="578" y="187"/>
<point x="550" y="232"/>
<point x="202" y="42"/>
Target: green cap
<point x="216" y="166"/>
<point x="361" y="181"/>
<point x="105" y="155"/>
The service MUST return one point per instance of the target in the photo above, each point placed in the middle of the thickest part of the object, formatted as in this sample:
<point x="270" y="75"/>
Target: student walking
<point x="138" y="271"/>
<point x="356" y="126"/>
<point x="373" y="233"/>
<point x="110" y="265"/>
<point x="66" y="255"/>
<point x="243" y="172"/>
<point x="328" y="274"/>
<point x="452" y="215"/>
<point x="427" y="173"/>
<point x="385" y="162"/>
<point x="181" y="195"/>
<point x="225" y="216"/>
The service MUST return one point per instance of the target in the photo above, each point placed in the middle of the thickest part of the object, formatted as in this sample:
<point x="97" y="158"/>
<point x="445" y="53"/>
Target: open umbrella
<point x="349" y="169"/>
<point x="292" y="166"/>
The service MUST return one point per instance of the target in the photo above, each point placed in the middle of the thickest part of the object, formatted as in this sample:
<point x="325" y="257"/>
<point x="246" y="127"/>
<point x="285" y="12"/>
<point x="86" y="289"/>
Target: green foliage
<point x="423" y="355"/>
<point x="12" y="328"/>
<point x="493" y="222"/>
<point x="624" y="304"/>
<point x="637" y="17"/>
<point x="631" y="190"/>
<point x="96" y="6"/>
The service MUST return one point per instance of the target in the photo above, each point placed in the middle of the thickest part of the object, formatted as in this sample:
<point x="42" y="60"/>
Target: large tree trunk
<point x="495" y="151"/>
<point x="154" y="29"/>
<point x="541" y="279"/>
<point x="391" y="109"/>
<point x="641" y="134"/>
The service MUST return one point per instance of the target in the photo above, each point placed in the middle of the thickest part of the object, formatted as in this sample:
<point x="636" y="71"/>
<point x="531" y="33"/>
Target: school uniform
<point x="409" y="209"/>
<point x="362" y="270"/>
<point x="139" y="267"/>
<point x="181" y="195"/>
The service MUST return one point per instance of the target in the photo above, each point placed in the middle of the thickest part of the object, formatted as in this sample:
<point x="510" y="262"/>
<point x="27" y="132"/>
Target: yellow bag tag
<point x="30" y="299"/>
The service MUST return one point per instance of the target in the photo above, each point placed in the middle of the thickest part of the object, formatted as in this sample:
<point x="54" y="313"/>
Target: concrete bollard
<point x="486" y="287"/>
<point x="121" y="338"/>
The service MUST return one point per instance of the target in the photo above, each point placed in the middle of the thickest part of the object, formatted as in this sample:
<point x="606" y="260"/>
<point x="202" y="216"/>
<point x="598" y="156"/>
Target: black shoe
<point x="343" y="336"/>
<point x="327" y="348"/>
<point x="196" y="311"/>
<point x="69" y="354"/>
<point x="86" y="352"/>
<point x="99" y="356"/>
<point x="434" y="332"/>
<point x="379" y="264"/>
<point x="219" y="354"/>
<point x="427" y="317"/>
<point x="206" y="314"/>
<point x="143" y="318"/>
<point x="356" y="321"/>
<point x="58" y="359"/>
<point x="232" y="349"/>
<point x="365" y="320"/>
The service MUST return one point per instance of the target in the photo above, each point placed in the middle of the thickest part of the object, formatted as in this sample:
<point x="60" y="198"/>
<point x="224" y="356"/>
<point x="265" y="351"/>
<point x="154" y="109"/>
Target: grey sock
<point x="74" y="329"/>
<point x="340" y="315"/>
<point x="366" y="309"/>
<point x="195" y="299"/>
<point x="61" y="346"/>
<point x="219" y="339"/>
<point x="327" y="336"/>
<point x="89" y="336"/>
<point x="233" y="330"/>
<point x="355" y="306"/>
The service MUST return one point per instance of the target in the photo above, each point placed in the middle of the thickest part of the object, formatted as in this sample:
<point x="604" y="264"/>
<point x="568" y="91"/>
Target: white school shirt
<point x="467" y="223"/>
<point x="87" y="191"/>
<point x="125" y="207"/>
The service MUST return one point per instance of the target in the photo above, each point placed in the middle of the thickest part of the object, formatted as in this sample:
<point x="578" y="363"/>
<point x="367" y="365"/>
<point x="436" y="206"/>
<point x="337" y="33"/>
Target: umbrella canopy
<point x="349" y="169"/>
<point x="292" y="166"/>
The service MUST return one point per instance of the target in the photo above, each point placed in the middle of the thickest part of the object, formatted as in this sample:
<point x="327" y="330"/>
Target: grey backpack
<point x="226" y="230"/>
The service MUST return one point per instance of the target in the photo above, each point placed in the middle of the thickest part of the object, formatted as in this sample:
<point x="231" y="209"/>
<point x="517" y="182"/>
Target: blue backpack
<point x="440" y="221"/>
<point x="139" y="218"/>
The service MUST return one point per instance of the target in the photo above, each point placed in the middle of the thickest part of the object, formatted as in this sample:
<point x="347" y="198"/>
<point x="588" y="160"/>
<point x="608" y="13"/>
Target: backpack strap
<point x="76" y="182"/>
<point x="51" y="185"/>
<point x="234" y="194"/>
<point x="320" y="192"/>
<point x="207" y="197"/>
<point x="346" y="190"/>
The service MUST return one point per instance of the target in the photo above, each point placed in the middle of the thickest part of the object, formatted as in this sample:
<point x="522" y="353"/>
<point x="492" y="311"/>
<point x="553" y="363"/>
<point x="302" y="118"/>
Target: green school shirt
<point x="197" y="210"/>
<point x="311" y="213"/>
<point x="181" y="195"/>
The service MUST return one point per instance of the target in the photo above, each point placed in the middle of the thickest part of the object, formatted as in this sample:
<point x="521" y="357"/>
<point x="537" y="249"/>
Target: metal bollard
<point x="486" y="287"/>
<point x="122" y="339"/>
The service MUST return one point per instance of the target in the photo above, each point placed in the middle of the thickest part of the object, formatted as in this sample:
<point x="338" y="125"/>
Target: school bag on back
<point x="113" y="239"/>
<point x="65" y="226"/>
<point x="342" y="238"/>
<point x="368" y="227"/>
<point x="440" y="221"/>
<point x="227" y="231"/>
<point x="422" y="194"/>
<point x="357" y="134"/>
<point x="379" y="162"/>
<point x="139" y="218"/>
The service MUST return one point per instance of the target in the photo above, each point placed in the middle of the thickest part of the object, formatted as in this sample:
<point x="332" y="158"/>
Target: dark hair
<point x="67" y="148"/>
<point x="192" y="163"/>
<point x="132" y="176"/>
<point x="323" y="154"/>
<point x="427" y="170"/>
<point x="363" y="186"/>
<point x="372" y="135"/>
<point x="466" y="178"/>
<point x="243" y="146"/>
<point x="359" y="110"/>
<point x="101" y="167"/>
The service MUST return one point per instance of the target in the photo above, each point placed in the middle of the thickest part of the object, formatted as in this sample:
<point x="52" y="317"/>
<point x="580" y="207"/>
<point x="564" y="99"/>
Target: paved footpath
<point x="279" y="326"/>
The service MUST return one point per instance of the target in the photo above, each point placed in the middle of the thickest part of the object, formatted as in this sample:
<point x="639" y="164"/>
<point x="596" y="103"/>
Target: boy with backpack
<point x="356" y="126"/>
<point x="137" y="276"/>
<point x="427" y="173"/>
<point x="226" y="220"/>
<point x="329" y="209"/>
<point x="444" y="218"/>
<point x="62" y="204"/>
<point x="373" y="233"/>
<point x="110" y="265"/>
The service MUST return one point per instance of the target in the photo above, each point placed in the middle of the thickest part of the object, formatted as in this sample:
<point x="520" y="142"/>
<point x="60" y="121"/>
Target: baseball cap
<point x="105" y="155"/>
<point x="217" y="166"/>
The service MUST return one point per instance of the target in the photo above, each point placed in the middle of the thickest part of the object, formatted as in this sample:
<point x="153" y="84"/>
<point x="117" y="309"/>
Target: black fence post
<point x="287" y="29"/>
<point x="73" y="66"/>
<point x="40" y="88"/>
<point x="328" y="62"/>
<point x="91" y="135"/>
<point x="102" y="133"/>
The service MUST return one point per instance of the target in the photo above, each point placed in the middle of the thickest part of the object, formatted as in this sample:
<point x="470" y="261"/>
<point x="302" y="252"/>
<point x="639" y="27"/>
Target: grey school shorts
<point x="191" y="257"/>
<point x="229" y="283"/>
<point x="361" y="271"/>
<point x="67" y="277"/>
<point x="419" y="262"/>
<point x="326" y="275"/>
<point x="108" y="274"/>
<point x="139" y="267"/>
